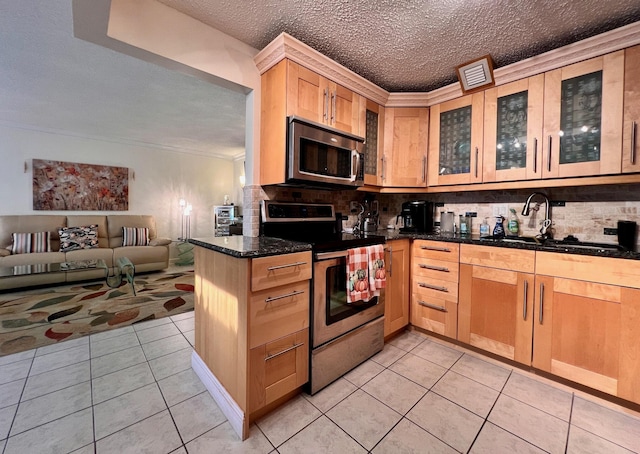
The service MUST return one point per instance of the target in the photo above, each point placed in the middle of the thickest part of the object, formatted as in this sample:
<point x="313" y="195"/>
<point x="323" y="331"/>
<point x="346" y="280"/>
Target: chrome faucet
<point x="545" y="230"/>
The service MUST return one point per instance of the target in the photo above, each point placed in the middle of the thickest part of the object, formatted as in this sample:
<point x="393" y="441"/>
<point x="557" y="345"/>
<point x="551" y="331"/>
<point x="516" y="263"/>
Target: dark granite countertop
<point x="475" y="239"/>
<point x="250" y="247"/>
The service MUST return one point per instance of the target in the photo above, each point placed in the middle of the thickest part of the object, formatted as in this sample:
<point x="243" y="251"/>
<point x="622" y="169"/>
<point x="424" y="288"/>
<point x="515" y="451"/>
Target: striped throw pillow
<point x="135" y="236"/>
<point x="27" y="243"/>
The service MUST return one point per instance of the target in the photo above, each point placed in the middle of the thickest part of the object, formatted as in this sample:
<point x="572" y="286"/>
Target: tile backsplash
<point x="587" y="211"/>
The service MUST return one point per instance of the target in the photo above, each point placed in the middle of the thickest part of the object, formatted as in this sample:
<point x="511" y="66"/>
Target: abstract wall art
<point x="59" y="185"/>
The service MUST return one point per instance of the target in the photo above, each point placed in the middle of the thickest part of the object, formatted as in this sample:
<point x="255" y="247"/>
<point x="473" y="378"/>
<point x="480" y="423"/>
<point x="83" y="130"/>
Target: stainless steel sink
<point x="565" y="245"/>
<point x="512" y="239"/>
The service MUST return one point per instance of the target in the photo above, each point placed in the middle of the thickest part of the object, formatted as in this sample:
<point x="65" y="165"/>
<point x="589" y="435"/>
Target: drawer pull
<point x="541" y="303"/>
<point x="434" y="268"/>
<point x="435" y="248"/>
<point x="633" y="142"/>
<point x="524" y="309"/>
<point x="535" y="155"/>
<point x="433" y="306"/>
<point x="275" y="298"/>
<point x="433" y="287"/>
<point x="293" y="347"/>
<point x="289" y="265"/>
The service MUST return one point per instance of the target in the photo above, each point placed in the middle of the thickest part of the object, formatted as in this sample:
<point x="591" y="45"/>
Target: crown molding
<point x="286" y="46"/>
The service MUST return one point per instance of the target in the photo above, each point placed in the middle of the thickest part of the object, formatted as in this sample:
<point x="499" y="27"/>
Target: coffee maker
<point x="417" y="217"/>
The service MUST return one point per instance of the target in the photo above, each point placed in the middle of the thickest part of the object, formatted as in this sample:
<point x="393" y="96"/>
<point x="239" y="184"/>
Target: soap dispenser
<point x="513" y="225"/>
<point x="498" y="230"/>
<point x="485" y="228"/>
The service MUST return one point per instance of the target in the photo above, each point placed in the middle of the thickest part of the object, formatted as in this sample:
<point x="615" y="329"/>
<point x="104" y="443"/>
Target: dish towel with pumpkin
<point x="365" y="273"/>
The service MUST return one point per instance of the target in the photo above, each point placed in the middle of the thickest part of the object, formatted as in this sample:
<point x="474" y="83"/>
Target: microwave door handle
<point x="354" y="171"/>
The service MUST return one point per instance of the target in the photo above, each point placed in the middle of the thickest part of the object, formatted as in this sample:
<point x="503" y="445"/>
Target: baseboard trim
<point x="229" y="407"/>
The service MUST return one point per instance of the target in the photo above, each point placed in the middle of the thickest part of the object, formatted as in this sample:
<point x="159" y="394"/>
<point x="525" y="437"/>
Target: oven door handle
<point x="334" y="255"/>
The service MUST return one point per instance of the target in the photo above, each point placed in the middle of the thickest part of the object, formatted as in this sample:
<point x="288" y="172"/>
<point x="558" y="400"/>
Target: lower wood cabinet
<point x="495" y="310"/>
<point x="278" y="367"/>
<point x="397" y="291"/>
<point x="588" y="331"/>
<point x="434" y="286"/>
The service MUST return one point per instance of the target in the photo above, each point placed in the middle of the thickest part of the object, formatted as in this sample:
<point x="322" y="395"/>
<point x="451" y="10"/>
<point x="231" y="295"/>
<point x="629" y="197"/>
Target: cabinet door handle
<point x="333" y="107"/>
<point x="435" y="248"/>
<point x="424" y="169"/>
<point x="293" y="347"/>
<point x="535" y="155"/>
<point x="476" y="162"/>
<point x="325" y="110"/>
<point x="276" y="298"/>
<point x="433" y="306"/>
<point x="524" y="309"/>
<point x="288" y="265"/>
<point x="433" y="287"/>
<point x="390" y="261"/>
<point x="382" y="163"/>
<point x="434" y="268"/>
<point x="633" y="142"/>
<point x="540" y="315"/>
<point x="549" y="155"/>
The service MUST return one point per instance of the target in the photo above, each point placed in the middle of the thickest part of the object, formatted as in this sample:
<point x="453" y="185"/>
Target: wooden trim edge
<point x="286" y="46"/>
<point x="228" y="406"/>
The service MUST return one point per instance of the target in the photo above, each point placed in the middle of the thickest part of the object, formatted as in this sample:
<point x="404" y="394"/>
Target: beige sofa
<point x="153" y="257"/>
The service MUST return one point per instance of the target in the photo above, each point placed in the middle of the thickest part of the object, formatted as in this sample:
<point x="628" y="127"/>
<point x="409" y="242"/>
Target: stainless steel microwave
<point x="321" y="155"/>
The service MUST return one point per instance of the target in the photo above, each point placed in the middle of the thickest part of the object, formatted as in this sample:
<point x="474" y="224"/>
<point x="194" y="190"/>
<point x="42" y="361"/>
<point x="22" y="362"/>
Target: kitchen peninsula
<point x="251" y="352"/>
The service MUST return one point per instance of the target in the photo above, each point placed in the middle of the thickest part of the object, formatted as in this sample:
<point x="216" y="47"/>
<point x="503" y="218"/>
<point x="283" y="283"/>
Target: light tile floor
<point x="132" y="390"/>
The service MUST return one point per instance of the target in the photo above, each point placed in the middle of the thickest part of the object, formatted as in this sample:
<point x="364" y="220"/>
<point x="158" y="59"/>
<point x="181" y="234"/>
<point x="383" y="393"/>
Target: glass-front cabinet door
<point x="630" y="139"/>
<point x="513" y="131"/>
<point x="455" y="141"/>
<point x="583" y="108"/>
<point x="374" y="165"/>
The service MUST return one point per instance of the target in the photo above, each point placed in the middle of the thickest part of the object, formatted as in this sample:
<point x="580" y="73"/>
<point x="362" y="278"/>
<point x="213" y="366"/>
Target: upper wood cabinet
<point x="373" y="144"/>
<point x="583" y="109"/>
<point x="405" y="147"/>
<point x="455" y="141"/>
<point x="630" y="151"/>
<point x="513" y="130"/>
<point x="316" y="98"/>
<point x="290" y="89"/>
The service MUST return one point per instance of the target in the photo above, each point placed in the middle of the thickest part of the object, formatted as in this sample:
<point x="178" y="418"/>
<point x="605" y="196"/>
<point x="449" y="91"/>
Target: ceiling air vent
<point x="476" y="75"/>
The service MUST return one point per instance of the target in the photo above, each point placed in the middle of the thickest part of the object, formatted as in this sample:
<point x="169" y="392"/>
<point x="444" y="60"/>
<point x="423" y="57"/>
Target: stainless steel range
<point x="342" y="335"/>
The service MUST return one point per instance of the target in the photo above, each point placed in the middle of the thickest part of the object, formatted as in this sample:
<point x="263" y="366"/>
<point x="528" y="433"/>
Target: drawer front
<point x="434" y="269"/>
<point x="277" y="270"/>
<point x="498" y="257"/>
<point x="279" y="311"/>
<point x="277" y="368"/>
<point x="436" y="315"/>
<point x="437" y="250"/>
<point x="435" y="288"/>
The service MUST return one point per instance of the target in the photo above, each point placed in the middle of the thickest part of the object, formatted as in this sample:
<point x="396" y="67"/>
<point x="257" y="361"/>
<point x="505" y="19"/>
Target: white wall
<point x="160" y="177"/>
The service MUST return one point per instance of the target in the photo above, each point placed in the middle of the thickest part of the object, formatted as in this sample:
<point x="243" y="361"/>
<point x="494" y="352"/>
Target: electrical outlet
<point x="500" y="209"/>
<point x="610" y="231"/>
<point x="354" y="207"/>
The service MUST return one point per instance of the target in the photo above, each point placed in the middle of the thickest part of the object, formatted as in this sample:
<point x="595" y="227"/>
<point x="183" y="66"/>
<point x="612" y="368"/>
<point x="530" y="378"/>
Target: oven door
<point x="332" y="316"/>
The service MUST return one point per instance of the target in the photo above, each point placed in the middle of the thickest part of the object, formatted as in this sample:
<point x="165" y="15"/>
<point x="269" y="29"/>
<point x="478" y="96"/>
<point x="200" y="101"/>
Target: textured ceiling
<point x="414" y="45"/>
<point x="51" y="81"/>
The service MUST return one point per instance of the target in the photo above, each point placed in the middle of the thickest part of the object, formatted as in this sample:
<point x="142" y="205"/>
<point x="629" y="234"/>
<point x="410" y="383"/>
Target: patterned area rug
<point x="44" y="317"/>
